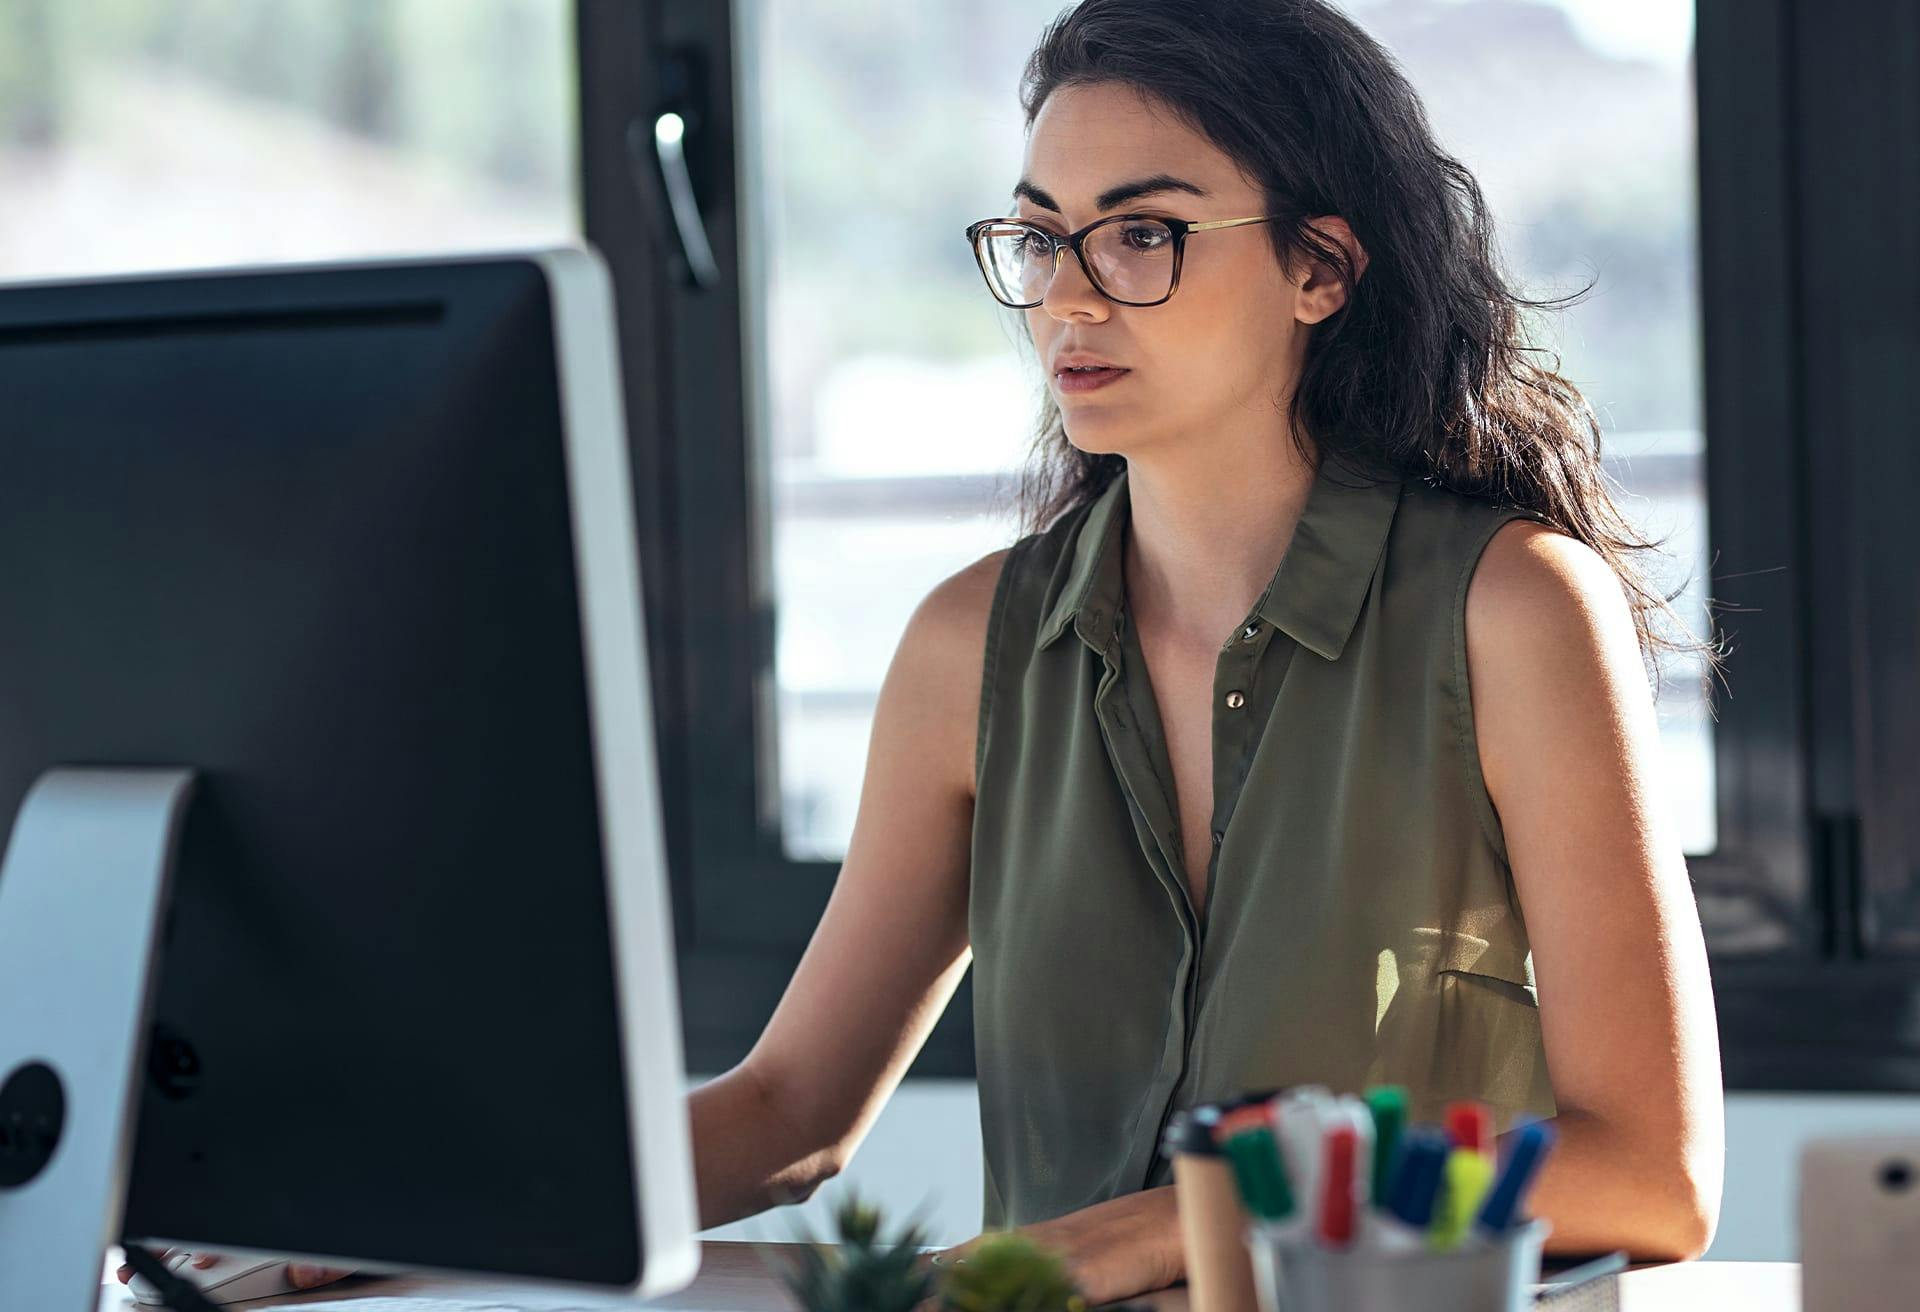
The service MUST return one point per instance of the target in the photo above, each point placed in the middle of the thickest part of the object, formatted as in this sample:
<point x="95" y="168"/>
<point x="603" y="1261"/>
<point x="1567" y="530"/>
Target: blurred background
<point x="166" y="133"/>
<point x="833" y="426"/>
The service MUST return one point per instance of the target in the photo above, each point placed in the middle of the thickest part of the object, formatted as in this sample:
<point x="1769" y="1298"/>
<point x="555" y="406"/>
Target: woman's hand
<point x="1113" y="1250"/>
<point x="299" y="1274"/>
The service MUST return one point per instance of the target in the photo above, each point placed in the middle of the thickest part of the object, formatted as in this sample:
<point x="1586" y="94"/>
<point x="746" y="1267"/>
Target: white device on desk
<point x="334" y="917"/>
<point x="229" y="1280"/>
<point x="1859" y="1204"/>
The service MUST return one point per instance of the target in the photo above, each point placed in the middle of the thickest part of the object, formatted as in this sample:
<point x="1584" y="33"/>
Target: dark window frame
<point x="1813" y="963"/>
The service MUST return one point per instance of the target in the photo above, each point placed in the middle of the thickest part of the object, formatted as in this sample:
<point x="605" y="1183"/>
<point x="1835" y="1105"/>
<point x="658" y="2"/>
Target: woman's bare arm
<point x="1569" y="746"/>
<point x="892" y="945"/>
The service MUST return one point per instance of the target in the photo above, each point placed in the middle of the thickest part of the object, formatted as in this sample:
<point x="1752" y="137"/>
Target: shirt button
<point x="1217" y="836"/>
<point x="1249" y="633"/>
<point x="1236" y="699"/>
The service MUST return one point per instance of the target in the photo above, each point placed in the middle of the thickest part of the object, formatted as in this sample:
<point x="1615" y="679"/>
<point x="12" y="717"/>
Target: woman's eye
<point x="1145" y="236"/>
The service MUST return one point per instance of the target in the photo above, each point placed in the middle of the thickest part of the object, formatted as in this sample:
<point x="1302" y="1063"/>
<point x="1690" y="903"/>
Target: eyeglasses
<point x="1131" y="259"/>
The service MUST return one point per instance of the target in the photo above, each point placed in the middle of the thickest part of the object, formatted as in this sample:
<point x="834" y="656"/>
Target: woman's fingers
<point x="301" y="1276"/>
<point x="124" y="1272"/>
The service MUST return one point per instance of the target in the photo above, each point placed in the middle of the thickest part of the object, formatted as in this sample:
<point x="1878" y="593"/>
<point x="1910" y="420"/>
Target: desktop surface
<point x="736" y="1277"/>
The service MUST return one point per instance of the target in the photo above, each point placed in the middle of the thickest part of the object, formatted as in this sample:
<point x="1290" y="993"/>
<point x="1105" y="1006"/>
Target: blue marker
<point x="1528" y="1149"/>
<point x="1423" y="1158"/>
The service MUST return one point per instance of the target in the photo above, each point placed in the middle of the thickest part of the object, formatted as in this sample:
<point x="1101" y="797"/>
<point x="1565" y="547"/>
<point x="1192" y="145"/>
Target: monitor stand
<point x="83" y="892"/>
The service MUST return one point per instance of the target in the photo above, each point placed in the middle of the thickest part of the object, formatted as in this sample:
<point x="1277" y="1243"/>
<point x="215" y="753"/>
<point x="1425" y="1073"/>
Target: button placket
<point x="1234" y="728"/>
<point x="1128" y="748"/>
<point x="1233" y="734"/>
<point x="1158" y="831"/>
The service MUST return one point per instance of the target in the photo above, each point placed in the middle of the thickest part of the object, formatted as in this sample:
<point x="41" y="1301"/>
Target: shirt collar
<point x="1314" y="595"/>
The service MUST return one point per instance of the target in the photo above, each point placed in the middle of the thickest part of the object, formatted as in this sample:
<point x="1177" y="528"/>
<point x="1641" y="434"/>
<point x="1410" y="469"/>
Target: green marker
<point x="1254" y="1155"/>
<point x="1388" y="1103"/>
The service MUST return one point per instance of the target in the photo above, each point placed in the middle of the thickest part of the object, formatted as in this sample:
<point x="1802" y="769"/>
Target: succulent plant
<point x="858" y="1272"/>
<point x="1004" y="1271"/>
<point x="1010" y="1272"/>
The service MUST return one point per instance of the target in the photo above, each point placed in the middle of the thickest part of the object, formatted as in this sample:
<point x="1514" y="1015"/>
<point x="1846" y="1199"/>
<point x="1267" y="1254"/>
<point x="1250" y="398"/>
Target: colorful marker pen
<point x="1416" y="1183"/>
<point x="1350" y="1110"/>
<point x="1300" y="1117"/>
<point x="1527" y="1148"/>
<point x="1355" y="1113"/>
<point x="1417" y="1180"/>
<point x="1246" y="1134"/>
<point x="1469" y="1125"/>
<point x="1388" y="1105"/>
<point x="1467" y="1177"/>
<point x="1335" y="1224"/>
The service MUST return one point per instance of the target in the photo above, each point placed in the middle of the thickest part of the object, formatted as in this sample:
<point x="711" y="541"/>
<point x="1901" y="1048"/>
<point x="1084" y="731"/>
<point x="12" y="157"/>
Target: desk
<point x="734" y="1278"/>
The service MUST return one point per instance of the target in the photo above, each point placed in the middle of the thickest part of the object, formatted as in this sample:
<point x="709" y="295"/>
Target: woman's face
<point x="1223" y="352"/>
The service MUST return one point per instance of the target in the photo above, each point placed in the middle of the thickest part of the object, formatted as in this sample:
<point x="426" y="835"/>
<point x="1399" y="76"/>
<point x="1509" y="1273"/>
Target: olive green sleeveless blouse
<point x="1360" y="923"/>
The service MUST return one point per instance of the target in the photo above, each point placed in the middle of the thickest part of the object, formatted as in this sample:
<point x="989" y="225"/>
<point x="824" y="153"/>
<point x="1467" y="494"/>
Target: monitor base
<point x="83" y="890"/>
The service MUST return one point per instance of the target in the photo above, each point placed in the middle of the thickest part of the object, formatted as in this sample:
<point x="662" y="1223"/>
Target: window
<point x="896" y="410"/>
<point x="1715" y="314"/>
<point x="895" y="407"/>
<point x="1577" y="117"/>
<point x="156" y="134"/>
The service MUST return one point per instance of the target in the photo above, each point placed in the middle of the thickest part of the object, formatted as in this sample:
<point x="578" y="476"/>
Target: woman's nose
<point x="1071" y="292"/>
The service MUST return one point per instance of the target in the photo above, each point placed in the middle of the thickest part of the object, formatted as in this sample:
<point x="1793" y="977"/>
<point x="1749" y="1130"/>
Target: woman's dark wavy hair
<point x="1425" y="371"/>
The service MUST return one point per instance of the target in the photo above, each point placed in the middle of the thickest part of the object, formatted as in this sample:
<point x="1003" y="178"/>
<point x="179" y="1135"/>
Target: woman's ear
<point x="1321" y="293"/>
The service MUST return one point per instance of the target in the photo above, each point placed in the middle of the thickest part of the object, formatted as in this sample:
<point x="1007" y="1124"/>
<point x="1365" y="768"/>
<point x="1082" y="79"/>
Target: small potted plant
<point x="1010" y="1272"/>
<point x="860" y="1272"/>
<point x="1005" y="1271"/>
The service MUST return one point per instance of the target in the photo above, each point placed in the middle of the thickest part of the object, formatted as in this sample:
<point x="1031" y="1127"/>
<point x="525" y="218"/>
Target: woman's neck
<point x="1206" y="531"/>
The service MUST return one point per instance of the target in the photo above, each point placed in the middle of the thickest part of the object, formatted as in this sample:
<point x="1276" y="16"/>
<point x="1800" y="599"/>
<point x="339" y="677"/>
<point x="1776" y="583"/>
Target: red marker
<point x="1335" y="1228"/>
<point x="1469" y="1125"/>
<point x="1241" y="1118"/>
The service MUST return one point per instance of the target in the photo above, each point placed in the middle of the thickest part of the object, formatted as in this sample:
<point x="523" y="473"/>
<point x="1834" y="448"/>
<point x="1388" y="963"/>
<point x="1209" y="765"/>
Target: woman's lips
<point x="1087" y="380"/>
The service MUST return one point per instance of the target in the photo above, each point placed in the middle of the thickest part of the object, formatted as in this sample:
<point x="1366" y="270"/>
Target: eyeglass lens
<point x="1129" y="261"/>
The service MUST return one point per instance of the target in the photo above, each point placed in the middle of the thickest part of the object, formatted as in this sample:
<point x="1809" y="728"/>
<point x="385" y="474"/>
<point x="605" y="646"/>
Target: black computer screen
<point x="307" y="532"/>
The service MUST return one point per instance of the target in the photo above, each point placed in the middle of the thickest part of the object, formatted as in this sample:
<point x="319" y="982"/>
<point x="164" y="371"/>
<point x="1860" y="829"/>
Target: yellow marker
<point x="1464" y="1185"/>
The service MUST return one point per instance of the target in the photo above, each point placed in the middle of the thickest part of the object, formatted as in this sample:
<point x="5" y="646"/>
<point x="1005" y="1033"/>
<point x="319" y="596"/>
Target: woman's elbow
<point x="1683" y="1239"/>
<point x="1683" y="1228"/>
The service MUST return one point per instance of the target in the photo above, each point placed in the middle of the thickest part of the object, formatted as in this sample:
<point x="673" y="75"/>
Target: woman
<point x="1307" y="736"/>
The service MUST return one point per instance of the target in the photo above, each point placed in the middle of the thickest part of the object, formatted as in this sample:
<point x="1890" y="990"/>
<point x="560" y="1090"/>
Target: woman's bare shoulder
<point x="947" y="635"/>
<point x="942" y="655"/>
<point x="960" y="605"/>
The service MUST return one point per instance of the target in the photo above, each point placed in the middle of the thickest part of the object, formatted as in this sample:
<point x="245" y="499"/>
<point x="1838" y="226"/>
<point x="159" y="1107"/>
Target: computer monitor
<point x="326" y="760"/>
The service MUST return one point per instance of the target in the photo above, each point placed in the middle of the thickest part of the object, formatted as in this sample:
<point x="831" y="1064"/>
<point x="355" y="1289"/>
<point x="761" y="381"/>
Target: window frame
<point x="743" y="910"/>
<point x="1803" y="1002"/>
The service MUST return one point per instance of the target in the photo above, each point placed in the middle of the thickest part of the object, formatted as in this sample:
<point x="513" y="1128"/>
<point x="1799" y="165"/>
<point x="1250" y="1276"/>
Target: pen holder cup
<point x="1292" y="1273"/>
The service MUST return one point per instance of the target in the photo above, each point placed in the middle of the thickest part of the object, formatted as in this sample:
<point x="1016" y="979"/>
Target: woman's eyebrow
<point x="1112" y="196"/>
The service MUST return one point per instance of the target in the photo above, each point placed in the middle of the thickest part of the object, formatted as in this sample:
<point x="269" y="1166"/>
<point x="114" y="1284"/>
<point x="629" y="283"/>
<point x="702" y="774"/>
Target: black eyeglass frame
<point x="1178" y="227"/>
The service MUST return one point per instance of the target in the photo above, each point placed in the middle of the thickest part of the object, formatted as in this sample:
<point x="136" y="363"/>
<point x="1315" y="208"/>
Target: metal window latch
<point x="657" y="147"/>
